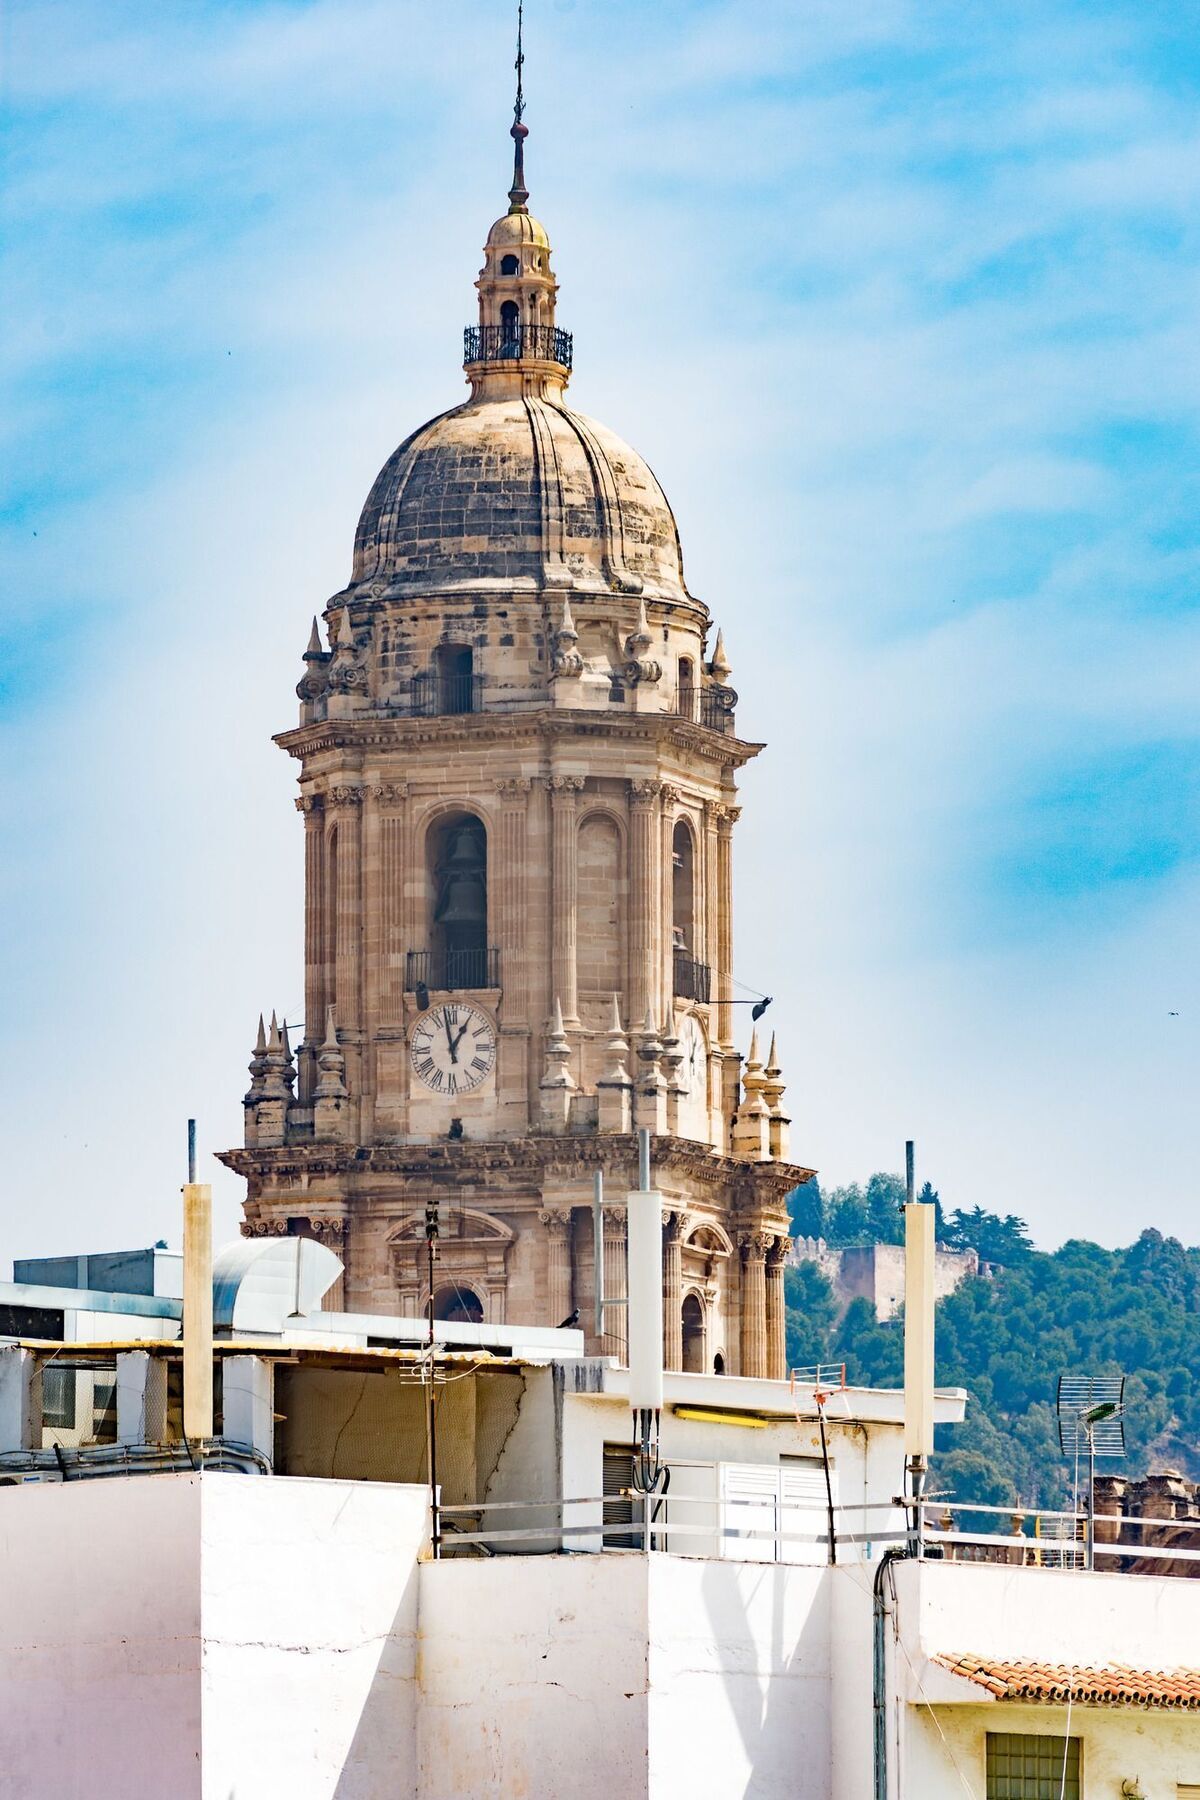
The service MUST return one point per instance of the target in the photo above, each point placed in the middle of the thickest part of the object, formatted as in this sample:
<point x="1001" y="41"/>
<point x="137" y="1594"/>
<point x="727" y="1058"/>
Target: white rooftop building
<point x="274" y="1621"/>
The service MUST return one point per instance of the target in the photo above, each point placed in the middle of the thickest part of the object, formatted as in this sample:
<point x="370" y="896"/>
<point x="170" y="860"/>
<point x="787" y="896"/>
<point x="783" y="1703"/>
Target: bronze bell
<point x="462" y="880"/>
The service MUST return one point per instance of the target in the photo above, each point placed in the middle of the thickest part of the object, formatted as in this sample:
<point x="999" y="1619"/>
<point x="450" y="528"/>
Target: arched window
<point x="682" y="889"/>
<point x="509" y="265"/>
<point x="686" y="701"/>
<point x="694" y="1358"/>
<point x="510" y="329"/>
<point x="457" y="1305"/>
<point x="718" y="1364"/>
<point x="457" y="861"/>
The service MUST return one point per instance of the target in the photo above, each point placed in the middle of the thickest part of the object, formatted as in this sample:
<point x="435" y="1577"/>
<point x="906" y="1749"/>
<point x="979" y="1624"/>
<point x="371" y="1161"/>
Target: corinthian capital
<point x="345" y="796"/>
<point x="644" y="792"/>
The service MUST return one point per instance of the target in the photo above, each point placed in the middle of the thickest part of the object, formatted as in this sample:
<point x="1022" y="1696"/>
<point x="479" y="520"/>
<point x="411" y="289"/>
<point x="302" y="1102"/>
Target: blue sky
<point x="899" y="299"/>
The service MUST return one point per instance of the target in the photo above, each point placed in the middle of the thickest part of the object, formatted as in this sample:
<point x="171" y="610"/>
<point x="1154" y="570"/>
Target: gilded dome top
<point x="517" y="490"/>
<point x="518" y="228"/>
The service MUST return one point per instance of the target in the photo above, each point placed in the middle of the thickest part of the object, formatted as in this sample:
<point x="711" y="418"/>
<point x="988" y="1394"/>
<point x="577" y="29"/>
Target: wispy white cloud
<point x="903" y="313"/>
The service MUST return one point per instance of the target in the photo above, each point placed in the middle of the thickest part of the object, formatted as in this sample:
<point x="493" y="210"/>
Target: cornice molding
<point x="529" y="728"/>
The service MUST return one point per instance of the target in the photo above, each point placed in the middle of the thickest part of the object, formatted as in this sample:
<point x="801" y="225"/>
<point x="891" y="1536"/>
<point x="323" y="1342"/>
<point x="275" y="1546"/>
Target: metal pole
<point x="598" y="1251"/>
<point x="434" y="1518"/>
<point x="910" y="1180"/>
<point x="1090" y="1553"/>
<point x="644" y="1160"/>
<point x="191" y="1151"/>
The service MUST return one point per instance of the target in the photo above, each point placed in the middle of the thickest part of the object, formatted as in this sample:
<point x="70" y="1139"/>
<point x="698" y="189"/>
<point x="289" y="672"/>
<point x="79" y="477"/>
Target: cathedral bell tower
<point x="517" y="758"/>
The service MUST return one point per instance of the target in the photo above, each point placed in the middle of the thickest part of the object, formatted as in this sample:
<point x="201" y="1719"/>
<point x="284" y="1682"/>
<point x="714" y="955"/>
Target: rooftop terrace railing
<point x="765" y="1529"/>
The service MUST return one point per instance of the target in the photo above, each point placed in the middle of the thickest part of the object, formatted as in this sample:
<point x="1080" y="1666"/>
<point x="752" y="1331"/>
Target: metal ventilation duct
<point x="261" y="1284"/>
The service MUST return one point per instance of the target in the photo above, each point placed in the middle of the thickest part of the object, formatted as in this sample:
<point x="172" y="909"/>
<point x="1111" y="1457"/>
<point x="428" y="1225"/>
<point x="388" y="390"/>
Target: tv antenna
<point x="1091" y="1422"/>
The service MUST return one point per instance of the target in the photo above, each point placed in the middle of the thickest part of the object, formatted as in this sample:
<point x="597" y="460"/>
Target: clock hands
<point x="452" y="1043"/>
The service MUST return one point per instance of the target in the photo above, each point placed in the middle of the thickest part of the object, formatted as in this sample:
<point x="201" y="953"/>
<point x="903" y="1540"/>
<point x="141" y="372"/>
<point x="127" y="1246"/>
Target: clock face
<point x="694" y="1069"/>
<point x="453" y="1048"/>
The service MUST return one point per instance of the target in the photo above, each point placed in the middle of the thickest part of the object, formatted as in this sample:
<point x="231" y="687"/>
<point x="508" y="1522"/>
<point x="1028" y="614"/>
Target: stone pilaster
<point x="727" y="816"/>
<point x="616" y="1283"/>
<point x="346" y="803"/>
<point x="557" y="1224"/>
<point x="675" y="1231"/>
<point x="776" y="1315"/>
<point x="512" y="923"/>
<point x="313" y="808"/>
<point x="754" y="1246"/>
<point x="665" y="997"/>
<point x="564" y="795"/>
<point x="708" y="911"/>
<point x="386" y="875"/>
<point x="644" y="922"/>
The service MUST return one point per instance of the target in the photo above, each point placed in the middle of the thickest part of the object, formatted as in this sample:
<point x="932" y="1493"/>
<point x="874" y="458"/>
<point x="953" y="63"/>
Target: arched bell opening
<point x="456" y="1305"/>
<point x="695" y="1352"/>
<point x="686" y="694"/>
<point x="683" y="897"/>
<point x="457" y="853"/>
<point x="510" y="329"/>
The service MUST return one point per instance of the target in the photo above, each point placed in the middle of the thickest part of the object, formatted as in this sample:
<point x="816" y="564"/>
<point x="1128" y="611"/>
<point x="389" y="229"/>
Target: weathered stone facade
<point x="517" y="783"/>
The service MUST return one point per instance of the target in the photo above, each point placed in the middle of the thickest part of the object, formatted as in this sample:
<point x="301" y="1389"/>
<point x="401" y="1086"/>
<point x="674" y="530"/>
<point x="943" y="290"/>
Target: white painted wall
<point x="309" y="1595"/>
<point x="739" y="1680"/>
<point x="867" y="1460"/>
<point x="1048" y="1615"/>
<point x="534" y="1678"/>
<point x="281" y="1615"/>
<point x="622" y="1675"/>
<point x="944" y="1756"/>
<point x="100" y="1640"/>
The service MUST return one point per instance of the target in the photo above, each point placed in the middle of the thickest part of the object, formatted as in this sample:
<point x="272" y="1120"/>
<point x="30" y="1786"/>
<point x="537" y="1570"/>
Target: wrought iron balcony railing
<point x="506" y="343"/>
<point x="452" y="971"/>
<point x="711" y="707"/>
<point x="435" y="695"/>
<point x="693" y="980"/>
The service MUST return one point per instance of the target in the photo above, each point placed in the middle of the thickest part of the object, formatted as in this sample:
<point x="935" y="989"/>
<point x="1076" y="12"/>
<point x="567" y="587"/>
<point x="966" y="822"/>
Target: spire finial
<point x="518" y="193"/>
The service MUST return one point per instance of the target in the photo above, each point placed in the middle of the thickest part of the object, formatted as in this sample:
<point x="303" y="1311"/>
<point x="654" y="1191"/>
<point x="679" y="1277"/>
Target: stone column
<point x="557" y="1221"/>
<point x="512" y="924"/>
<point x="666" y="912"/>
<point x="754" y="1246"/>
<point x="564" y="903"/>
<point x="393" y="873"/>
<point x="674" y="1231"/>
<point x="313" y="808"/>
<point x="775" y="1310"/>
<point x="348" y="903"/>
<point x="708" y="909"/>
<point x="643" y="899"/>
<point x="726" y="818"/>
<point x="616" y="1283"/>
<point x="348" y="933"/>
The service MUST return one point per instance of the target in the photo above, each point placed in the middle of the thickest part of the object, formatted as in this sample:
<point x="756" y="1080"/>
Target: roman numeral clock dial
<point x="453" y="1048"/>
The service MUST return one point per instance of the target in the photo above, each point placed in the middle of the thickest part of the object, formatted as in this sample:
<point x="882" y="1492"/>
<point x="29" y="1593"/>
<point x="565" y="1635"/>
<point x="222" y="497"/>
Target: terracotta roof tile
<point x="1113" y="1684"/>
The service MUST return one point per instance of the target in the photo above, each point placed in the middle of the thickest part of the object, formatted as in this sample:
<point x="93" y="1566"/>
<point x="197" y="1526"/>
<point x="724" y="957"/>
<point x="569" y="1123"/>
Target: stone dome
<point x="518" y="228"/>
<point x="516" y="490"/>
